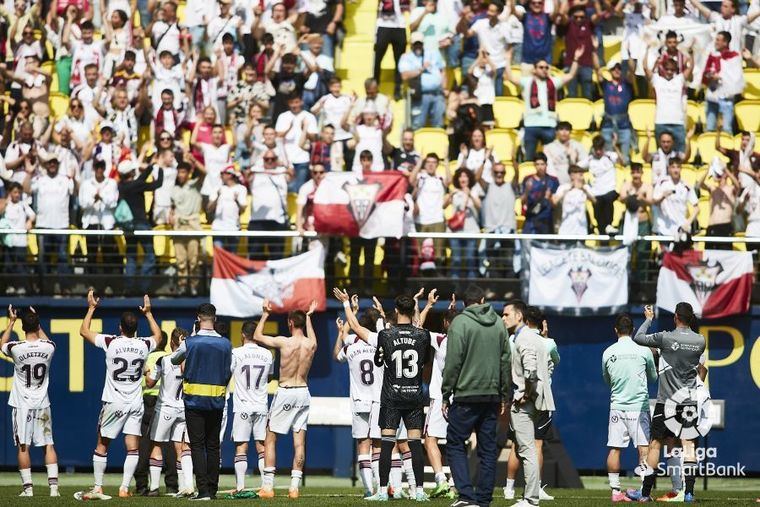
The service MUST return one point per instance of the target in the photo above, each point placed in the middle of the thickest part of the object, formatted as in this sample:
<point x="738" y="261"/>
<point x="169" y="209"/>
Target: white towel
<point x="630" y="227"/>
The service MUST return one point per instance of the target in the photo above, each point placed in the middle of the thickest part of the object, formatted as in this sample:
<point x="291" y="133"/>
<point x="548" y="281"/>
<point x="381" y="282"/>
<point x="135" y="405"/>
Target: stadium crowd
<point x="151" y="114"/>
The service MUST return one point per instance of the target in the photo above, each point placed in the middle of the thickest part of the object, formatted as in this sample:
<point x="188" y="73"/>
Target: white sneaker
<point x="509" y="493"/>
<point x="27" y="492"/>
<point x="54" y="492"/>
<point x="93" y="494"/>
<point x="543" y="495"/>
<point x="611" y="229"/>
<point x="522" y="503"/>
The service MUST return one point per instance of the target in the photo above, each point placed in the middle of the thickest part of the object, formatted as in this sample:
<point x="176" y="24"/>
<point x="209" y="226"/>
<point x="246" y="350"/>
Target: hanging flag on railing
<point x="370" y="206"/>
<point x="577" y="280"/>
<point x="239" y="285"/>
<point x="717" y="283"/>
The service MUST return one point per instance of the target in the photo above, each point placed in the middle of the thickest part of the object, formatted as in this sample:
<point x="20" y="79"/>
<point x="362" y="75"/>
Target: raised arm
<point x="84" y="330"/>
<point x="704" y="11"/>
<point x="432" y="299"/>
<point x="361" y="332"/>
<point x="339" y="340"/>
<point x="155" y="329"/>
<point x="508" y="69"/>
<point x="574" y="67"/>
<point x="259" y="336"/>
<point x="310" y="334"/>
<point x="12" y="316"/>
<point x="641" y="337"/>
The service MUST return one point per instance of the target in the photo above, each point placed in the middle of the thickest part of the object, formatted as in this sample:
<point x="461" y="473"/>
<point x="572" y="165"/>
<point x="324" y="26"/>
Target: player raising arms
<point x="169" y="421"/>
<point x="251" y="368"/>
<point x="122" y="409"/>
<point x="402" y="349"/>
<point x="29" y="396"/>
<point x="290" y="405"/>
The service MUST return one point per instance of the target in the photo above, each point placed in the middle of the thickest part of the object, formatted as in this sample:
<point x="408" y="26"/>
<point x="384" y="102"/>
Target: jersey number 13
<point x="406" y="363"/>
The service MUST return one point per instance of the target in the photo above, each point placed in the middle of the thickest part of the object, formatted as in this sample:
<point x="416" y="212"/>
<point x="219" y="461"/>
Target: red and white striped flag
<point x="239" y="286"/>
<point x="371" y="206"/>
<point x="716" y="283"/>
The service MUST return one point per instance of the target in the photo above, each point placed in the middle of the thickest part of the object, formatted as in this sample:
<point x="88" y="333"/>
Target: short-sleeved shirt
<point x="293" y="123"/>
<point x="574" y="219"/>
<point x="626" y="367"/>
<point x="403" y="349"/>
<point x="603" y="171"/>
<point x="499" y="208"/>
<point x="52" y="200"/>
<point x="537" y="37"/>
<point x="670" y="100"/>
<point x="617" y="97"/>
<point x="251" y="367"/>
<point x="31" y="362"/>
<point x="438" y="342"/>
<point x="431" y="79"/>
<point x="671" y="213"/>
<point x="541" y="116"/>
<point x="433" y="27"/>
<point x="537" y="193"/>
<point x="170" y="390"/>
<point x="493" y="39"/>
<point x="430" y="195"/>
<point x="269" y="190"/>
<point x="366" y="378"/>
<point x="125" y="359"/>
<point x="229" y="201"/>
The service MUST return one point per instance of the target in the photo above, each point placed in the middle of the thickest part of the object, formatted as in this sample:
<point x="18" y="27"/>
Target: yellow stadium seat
<point x="752" y="86"/>
<point x="431" y="140"/>
<point x="689" y="174"/>
<point x="508" y="112"/>
<point x="59" y="104"/>
<point x="642" y="139"/>
<point x="585" y="138"/>
<point x="525" y="169"/>
<point x="599" y="112"/>
<point x="579" y="112"/>
<point x="695" y="111"/>
<point x="503" y="143"/>
<point x="706" y="146"/>
<point x="748" y="115"/>
<point x="641" y="112"/>
<point x="509" y="88"/>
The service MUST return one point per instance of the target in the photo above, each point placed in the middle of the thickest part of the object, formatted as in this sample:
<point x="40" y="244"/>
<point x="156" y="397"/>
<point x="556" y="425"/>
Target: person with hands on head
<point x="122" y="410"/>
<point x="289" y="410"/>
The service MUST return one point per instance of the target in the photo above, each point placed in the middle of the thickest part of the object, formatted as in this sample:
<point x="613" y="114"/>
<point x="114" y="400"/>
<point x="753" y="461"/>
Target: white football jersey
<point x="125" y="359"/>
<point x="366" y="378"/>
<point x="251" y="366"/>
<point x="438" y="341"/>
<point x="31" y="362"/>
<point x="170" y="389"/>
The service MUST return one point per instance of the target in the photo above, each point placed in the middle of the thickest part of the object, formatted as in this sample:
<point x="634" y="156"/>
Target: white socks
<point x="241" y="465"/>
<point x="155" y="466"/>
<point x="180" y="475"/>
<point x="440" y="478"/>
<point x="376" y="468"/>
<point x="52" y="473"/>
<point x="395" y="475"/>
<point x="261" y="465"/>
<point x="365" y="471"/>
<point x="511" y="484"/>
<point x="268" y="481"/>
<point x="187" y="469"/>
<point x="99" y="462"/>
<point x="409" y="472"/>
<point x="295" y="479"/>
<point x="614" y="479"/>
<point x="130" y="465"/>
<point x="26" y="478"/>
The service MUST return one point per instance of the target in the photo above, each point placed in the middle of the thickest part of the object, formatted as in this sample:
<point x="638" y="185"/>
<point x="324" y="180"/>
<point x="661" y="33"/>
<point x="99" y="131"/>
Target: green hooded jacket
<point x="477" y="356"/>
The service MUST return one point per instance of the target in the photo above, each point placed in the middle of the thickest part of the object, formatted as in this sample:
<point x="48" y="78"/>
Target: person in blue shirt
<point x="618" y="94"/>
<point x="536" y="198"/>
<point x="425" y="73"/>
<point x="537" y="31"/>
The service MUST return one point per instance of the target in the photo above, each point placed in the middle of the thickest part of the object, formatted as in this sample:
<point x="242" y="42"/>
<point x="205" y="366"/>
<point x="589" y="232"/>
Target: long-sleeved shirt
<point x="681" y="350"/>
<point x="626" y="368"/>
<point x="98" y="212"/>
<point x="530" y="365"/>
<point x="133" y="191"/>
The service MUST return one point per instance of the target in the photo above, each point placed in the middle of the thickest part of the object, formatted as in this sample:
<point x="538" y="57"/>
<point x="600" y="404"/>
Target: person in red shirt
<point x="580" y="33"/>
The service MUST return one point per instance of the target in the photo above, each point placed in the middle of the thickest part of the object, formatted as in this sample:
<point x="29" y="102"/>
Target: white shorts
<point x="364" y="424"/>
<point x="116" y="418"/>
<point x="245" y="424"/>
<point x="628" y="426"/>
<point x="435" y="424"/>
<point x="224" y="422"/>
<point x="168" y="425"/>
<point x="32" y="426"/>
<point x="289" y="410"/>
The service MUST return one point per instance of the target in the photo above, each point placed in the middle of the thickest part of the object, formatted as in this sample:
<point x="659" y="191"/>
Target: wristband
<point x="346" y="305"/>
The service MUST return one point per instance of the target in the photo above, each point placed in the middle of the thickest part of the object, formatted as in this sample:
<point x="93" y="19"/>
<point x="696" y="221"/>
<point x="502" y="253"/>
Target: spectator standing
<point x="675" y="203"/>
<point x="539" y="92"/>
<point x="185" y="215"/>
<point x="305" y="199"/>
<point x="465" y="200"/>
<point x="324" y="151"/>
<point x="723" y="193"/>
<point x="289" y="127"/>
<point x="324" y="18"/>
<point x="405" y="158"/>
<point x="636" y="15"/>
<point x="636" y="195"/>
<point x="18" y="215"/>
<point x="666" y="151"/>
<point x="430" y="191"/>
<point x="563" y="152"/>
<point x="365" y="245"/>
<point x="470" y="13"/>
<point x="724" y="78"/>
<point x="483" y="72"/>
<point x="368" y="136"/>
<point x="670" y="102"/>
<point x="671" y="52"/>
<point x="98" y="197"/>
<point x="215" y="157"/>
<point x="617" y="93"/>
<point x="434" y="24"/>
<point x="228" y="203"/>
<point x="165" y="161"/>
<point x="334" y="108"/>
<point x="493" y="35"/>
<point x="727" y="20"/>
<point x="744" y="161"/>
<point x="537" y="190"/>
<point x="580" y="34"/>
<point x="498" y="212"/>
<point x="537" y="32"/>
<point x="601" y="165"/>
<point x="198" y="14"/>
<point x="268" y="182"/>
<point x="477" y="155"/>
<point x="166" y="33"/>
<point x="573" y="197"/>
<point x="476" y="389"/>
<point x="22" y="151"/>
<point x="381" y="102"/>
<point x="207" y="358"/>
<point x="390" y="30"/>
<point x="425" y="74"/>
<point x="319" y="71"/>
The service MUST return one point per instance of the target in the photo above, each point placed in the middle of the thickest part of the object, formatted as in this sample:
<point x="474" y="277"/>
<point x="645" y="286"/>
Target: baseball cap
<point x="230" y="169"/>
<point x="417" y="37"/>
<point x="612" y="64"/>
<point x="106" y="125"/>
<point x="127" y="166"/>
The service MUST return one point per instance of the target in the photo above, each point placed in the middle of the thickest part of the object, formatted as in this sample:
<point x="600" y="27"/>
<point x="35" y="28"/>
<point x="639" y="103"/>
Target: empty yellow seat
<point x="503" y="143"/>
<point x="525" y="169"/>
<point x="641" y="112"/>
<point x="706" y="146"/>
<point x="59" y="104"/>
<point x="508" y="112"/>
<point x="431" y="140"/>
<point x="579" y="112"/>
<point x="599" y="112"/>
<point x="695" y="112"/>
<point x="752" y="84"/>
<point x="748" y="115"/>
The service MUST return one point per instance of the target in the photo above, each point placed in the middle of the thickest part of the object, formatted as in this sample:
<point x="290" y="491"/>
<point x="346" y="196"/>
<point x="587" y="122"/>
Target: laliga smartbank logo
<point x="687" y="413"/>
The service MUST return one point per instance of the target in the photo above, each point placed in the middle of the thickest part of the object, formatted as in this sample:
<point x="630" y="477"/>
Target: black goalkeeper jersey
<point x="403" y="350"/>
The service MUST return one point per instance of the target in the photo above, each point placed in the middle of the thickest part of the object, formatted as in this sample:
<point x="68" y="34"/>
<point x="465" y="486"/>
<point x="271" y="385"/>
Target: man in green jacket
<point x="476" y="388"/>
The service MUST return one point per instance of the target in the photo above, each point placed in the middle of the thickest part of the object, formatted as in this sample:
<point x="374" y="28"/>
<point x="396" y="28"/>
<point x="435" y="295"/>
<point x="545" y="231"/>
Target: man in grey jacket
<point x="530" y="375"/>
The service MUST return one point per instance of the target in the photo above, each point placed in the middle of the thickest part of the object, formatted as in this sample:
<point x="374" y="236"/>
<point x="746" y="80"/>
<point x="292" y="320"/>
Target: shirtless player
<point x="290" y="405"/>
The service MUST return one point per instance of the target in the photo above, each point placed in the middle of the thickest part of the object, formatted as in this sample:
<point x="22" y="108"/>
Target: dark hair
<point x="499" y="5"/>
<point x="206" y="311"/>
<point x="86" y="25"/>
<point x="577" y="8"/>
<point x="636" y="166"/>
<point x="564" y="125"/>
<point x="519" y="306"/>
<point x="598" y="142"/>
<point x="623" y="324"/>
<point x="574" y="169"/>
<point x="177" y="336"/>
<point x="667" y="133"/>
<point x="30" y="322"/>
<point x="333" y="80"/>
<point x="130" y="55"/>
<point x="161" y="345"/>
<point x="293" y="96"/>
<point x="267" y="38"/>
<point x="13" y="185"/>
<point x="289" y="58"/>
<point x="405" y="305"/>
<point x="470" y="177"/>
<point x="744" y="133"/>
<point x="297" y="318"/>
<point x="249" y="327"/>
<point x="164" y="53"/>
<point x="448" y="315"/>
<point x="184" y="166"/>
<point x="671" y="34"/>
<point x="122" y="15"/>
<point x="685" y="314"/>
<point x="433" y="155"/>
<point x="168" y="91"/>
<point x="366" y="154"/>
<point x="91" y="66"/>
<point x="227" y="37"/>
<point x="366" y="319"/>
<point x="539" y="156"/>
<point x="726" y="35"/>
<point x="202" y="59"/>
<point x="473" y="295"/>
<point x="128" y="323"/>
<point x="534" y="316"/>
<point x="675" y="161"/>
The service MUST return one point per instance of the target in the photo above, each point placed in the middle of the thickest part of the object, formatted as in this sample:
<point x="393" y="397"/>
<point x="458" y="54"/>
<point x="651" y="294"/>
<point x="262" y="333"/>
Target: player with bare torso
<point x="290" y="405"/>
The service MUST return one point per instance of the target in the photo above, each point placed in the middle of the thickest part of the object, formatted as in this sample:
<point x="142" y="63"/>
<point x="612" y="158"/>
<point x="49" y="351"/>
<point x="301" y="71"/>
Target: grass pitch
<point x="334" y="492"/>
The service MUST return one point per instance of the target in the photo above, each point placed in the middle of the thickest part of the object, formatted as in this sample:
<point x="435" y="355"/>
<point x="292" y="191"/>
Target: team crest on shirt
<point x="361" y="199"/>
<point x="704" y="277"/>
<point x="579" y="276"/>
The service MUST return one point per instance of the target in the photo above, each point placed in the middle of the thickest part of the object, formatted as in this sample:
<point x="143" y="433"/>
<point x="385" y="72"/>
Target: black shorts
<point x="390" y="417"/>
<point x="485" y="114"/>
<point x="659" y="429"/>
<point x="542" y="426"/>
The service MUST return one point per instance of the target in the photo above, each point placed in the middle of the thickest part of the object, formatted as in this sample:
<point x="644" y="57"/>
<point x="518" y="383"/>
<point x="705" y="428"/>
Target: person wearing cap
<point x="132" y="189"/>
<point x="52" y="192"/>
<point x="425" y="74"/>
<point x="227" y="203"/>
<point x="617" y="93"/>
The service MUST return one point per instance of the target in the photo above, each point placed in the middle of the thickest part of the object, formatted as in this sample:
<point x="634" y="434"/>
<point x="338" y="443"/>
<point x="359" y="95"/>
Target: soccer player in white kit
<point x="169" y="421"/>
<point x="251" y="368"/>
<point x="122" y="409"/>
<point x="29" y="396"/>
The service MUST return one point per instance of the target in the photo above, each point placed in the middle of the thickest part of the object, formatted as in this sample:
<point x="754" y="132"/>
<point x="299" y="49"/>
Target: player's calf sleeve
<point x="268" y="480"/>
<point x="261" y="464"/>
<point x="418" y="461"/>
<point x="395" y="477"/>
<point x="130" y="465"/>
<point x="408" y="467"/>
<point x="675" y="470"/>
<point x="187" y="469"/>
<point x="614" y="478"/>
<point x="26" y="477"/>
<point x="648" y="484"/>
<point x="155" y="466"/>
<point x="241" y="465"/>
<point x="386" y="449"/>
<point x="52" y="474"/>
<point x="690" y="473"/>
<point x="99" y="462"/>
<point x="365" y="471"/>
<point x="180" y="474"/>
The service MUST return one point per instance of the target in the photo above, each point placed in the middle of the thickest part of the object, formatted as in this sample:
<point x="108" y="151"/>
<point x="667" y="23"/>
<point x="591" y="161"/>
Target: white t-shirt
<point x="493" y="39"/>
<point x="163" y="194"/>
<point x="16" y="214"/>
<point x="603" y="171"/>
<point x="284" y="34"/>
<point x="370" y="138"/>
<point x="251" y="367"/>
<point x="474" y="160"/>
<point x="573" y="210"/>
<point x="394" y="19"/>
<point x="229" y="202"/>
<point x="670" y="100"/>
<point x="485" y="91"/>
<point x="52" y="200"/>
<point x="169" y="35"/>
<point x="215" y="159"/>
<point x="734" y="25"/>
<point x="333" y="110"/>
<point x="366" y="379"/>
<point x="31" y="364"/>
<point x="291" y="125"/>
<point x="125" y="359"/>
<point x="438" y="342"/>
<point x="671" y="213"/>
<point x="170" y="390"/>
<point x="196" y="10"/>
<point x="430" y="194"/>
<point x="270" y="193"/>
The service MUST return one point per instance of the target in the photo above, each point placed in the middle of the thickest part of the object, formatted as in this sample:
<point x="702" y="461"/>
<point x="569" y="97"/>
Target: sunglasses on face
<point x="270" y="159"/>
<point x="317" y="173"/>
<point x="498" y="174"/>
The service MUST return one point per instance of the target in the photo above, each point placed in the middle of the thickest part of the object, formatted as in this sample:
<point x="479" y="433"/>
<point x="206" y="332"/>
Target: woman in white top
<point x="466" y="198"/>
<point x="228" y="203"/>
<point x="368" y="135"/>
<point x="117" y="32"/>
<point x="573" y="197"/>
<point x="476" y="155"/>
